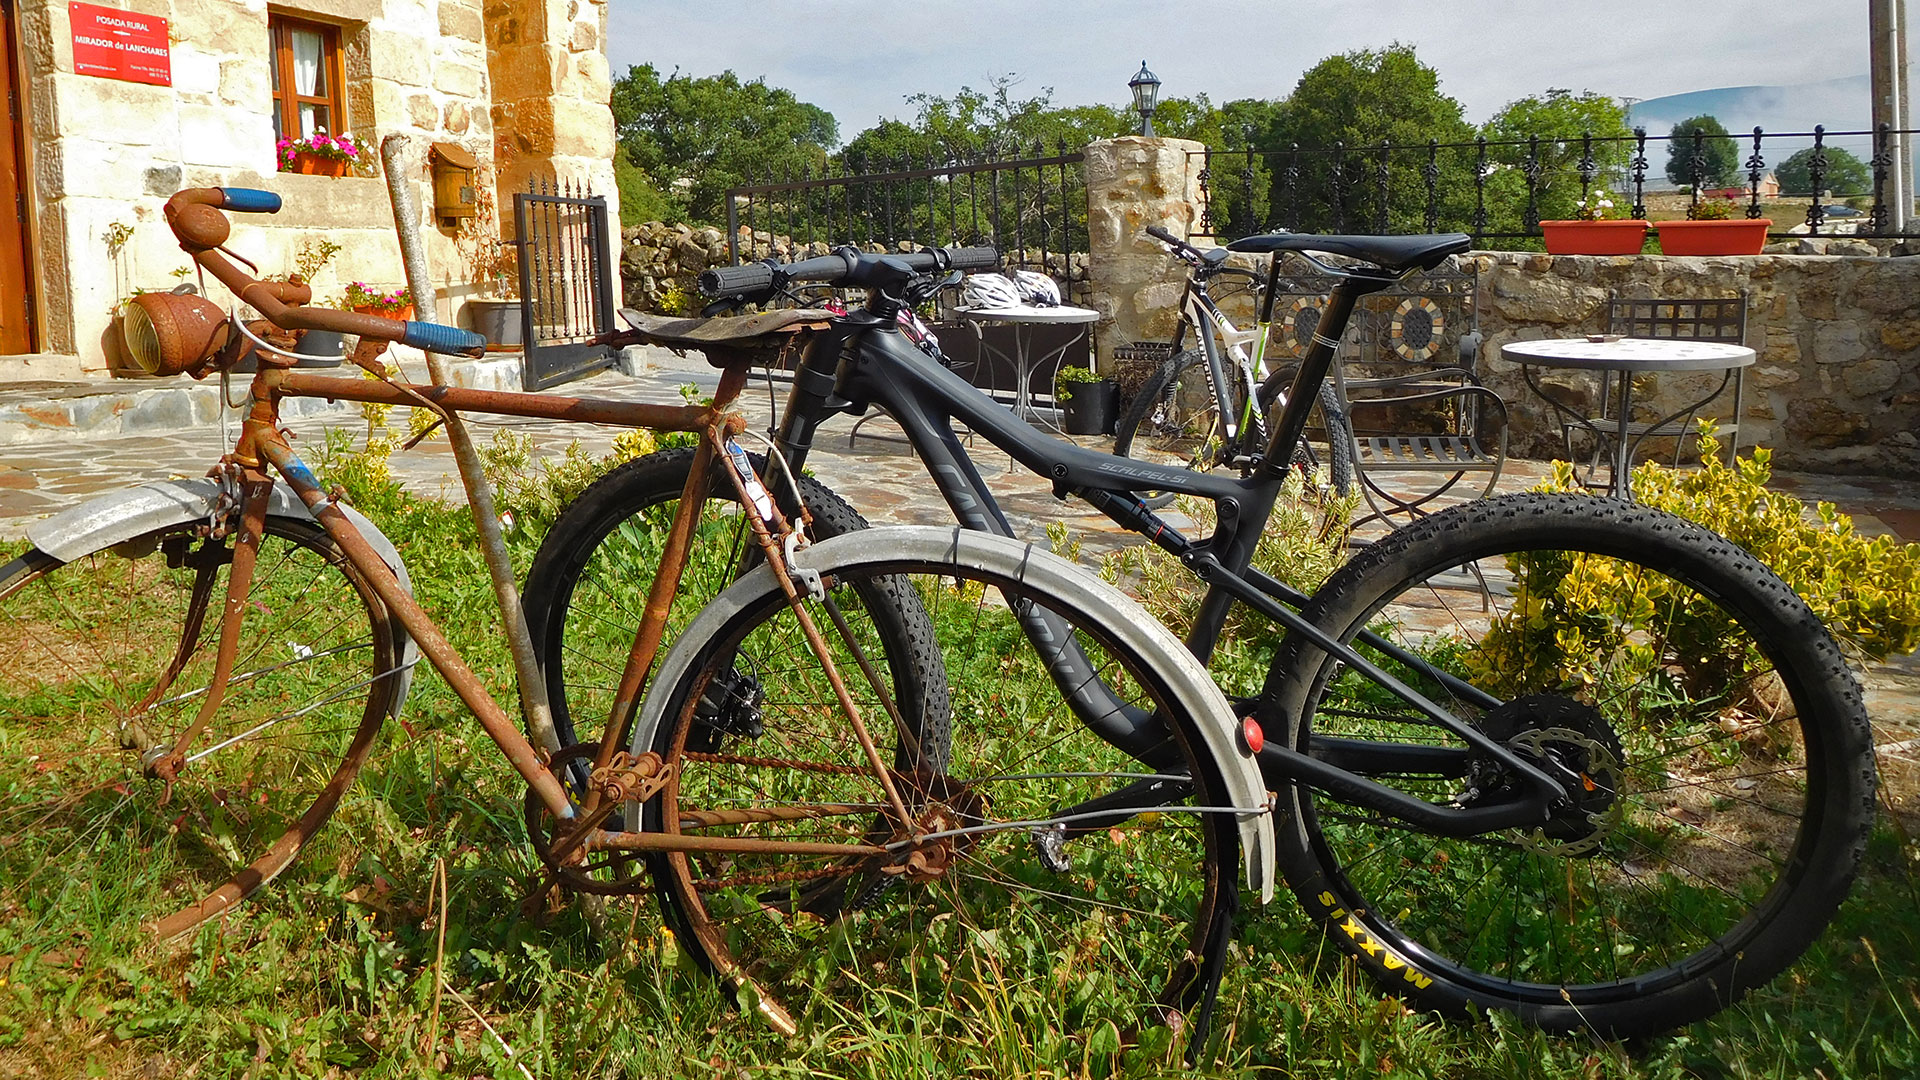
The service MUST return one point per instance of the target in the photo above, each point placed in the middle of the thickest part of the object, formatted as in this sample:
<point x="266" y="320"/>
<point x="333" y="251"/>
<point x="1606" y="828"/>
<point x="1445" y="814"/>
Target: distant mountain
<point x="1792" y="111"/>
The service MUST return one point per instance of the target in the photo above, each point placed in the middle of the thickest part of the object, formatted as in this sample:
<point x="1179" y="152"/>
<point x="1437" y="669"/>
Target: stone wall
<point x="1837" y="384"/>
<point x="104" y="151"/>
<point x="1134" y="182"/>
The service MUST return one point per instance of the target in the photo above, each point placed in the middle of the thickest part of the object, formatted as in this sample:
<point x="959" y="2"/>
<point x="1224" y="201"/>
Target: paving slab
<point x="880" y="477"/>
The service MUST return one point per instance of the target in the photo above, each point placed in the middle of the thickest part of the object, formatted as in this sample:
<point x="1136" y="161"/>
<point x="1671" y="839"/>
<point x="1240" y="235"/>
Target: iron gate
<point x="566" y="283"/>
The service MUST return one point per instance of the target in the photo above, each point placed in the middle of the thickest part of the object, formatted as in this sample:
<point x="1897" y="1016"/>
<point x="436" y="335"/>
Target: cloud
<point x="861" y="60"/>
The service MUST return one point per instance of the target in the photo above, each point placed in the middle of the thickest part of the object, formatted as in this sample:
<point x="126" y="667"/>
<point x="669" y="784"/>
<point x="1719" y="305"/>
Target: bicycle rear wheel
<point x="1037" y="896"/>
<point x="1722" y="755"/>
<point x="85" y="643"/>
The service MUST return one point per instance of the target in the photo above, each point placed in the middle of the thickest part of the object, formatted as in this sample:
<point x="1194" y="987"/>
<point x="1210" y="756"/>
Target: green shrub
<point x="1065" y="380"/>
<point x="1867" y="590"/>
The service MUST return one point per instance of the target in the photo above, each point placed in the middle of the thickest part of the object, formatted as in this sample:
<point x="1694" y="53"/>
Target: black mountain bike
<point x="1556" y="754"/>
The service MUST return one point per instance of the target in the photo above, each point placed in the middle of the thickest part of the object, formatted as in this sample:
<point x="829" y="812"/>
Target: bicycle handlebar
<point x="845" y="265"/>
<point x="194" y="215"/>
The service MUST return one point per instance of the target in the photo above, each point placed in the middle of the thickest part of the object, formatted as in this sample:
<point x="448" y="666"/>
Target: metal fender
<point x="1125" y="619"/>
<point x="110" y="519"/>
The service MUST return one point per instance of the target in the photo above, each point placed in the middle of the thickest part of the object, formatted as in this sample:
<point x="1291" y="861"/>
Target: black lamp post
<point x="1146" y="96"/>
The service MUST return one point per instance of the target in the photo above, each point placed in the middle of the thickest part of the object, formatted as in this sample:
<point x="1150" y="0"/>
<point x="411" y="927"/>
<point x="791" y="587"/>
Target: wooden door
<point x="16" y="280"/>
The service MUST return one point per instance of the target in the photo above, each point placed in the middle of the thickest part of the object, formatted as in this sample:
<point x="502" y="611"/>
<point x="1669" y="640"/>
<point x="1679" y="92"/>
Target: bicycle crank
<point x="601" y="873"/>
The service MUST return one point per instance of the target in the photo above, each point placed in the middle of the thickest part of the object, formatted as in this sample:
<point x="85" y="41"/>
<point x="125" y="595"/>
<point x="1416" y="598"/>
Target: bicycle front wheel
<point x="1041" y="869"/>
<point x="589" y="583"/>
<point x="1174" y="419"/>
<point x="1720" y="757"/>
<point x="86" y="700"/>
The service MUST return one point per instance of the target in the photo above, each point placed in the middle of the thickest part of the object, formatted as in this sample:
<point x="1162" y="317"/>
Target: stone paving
<point x="878" y="476"/>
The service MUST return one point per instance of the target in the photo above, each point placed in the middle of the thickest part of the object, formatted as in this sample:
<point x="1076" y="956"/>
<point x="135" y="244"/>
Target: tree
<point x="694" y="138"/>
<point x="1719" y="164"/>
<point x="1037" y="208"/>
<point x="1344" y="110"/>
<point x="1844" y="174"/>
<point x="1570" y="142"/>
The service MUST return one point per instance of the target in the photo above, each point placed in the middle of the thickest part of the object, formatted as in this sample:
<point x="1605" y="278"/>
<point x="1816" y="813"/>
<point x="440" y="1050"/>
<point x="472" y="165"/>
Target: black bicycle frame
<point x="864" y="362"/>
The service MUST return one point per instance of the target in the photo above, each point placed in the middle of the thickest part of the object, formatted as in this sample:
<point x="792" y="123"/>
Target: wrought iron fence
<point x="1032" y="208"/>
<point x="566" y="282"/>
<point x="1500" y="190"/>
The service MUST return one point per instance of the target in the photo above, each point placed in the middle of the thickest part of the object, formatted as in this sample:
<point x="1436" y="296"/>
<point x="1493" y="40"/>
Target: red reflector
<point x="1250" y="731"/>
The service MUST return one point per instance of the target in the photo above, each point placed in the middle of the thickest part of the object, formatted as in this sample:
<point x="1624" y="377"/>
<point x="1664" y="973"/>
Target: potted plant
<point x="1089" y="404"/>
<point x="1597" y="228"/>
<point x="1711" y="228"/>
<point x="318" y="154"/>
<point x="496" y="317"/>
<point x="372" y="300"/>
<point x="324" y="348"/>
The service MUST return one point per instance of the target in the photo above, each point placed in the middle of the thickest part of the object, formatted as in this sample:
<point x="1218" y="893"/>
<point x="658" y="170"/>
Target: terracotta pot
<point x="315" y="165"/>
<point x="1594" y="237"/>
<point x="402" y="314"/>
<point x="1735" y="236"/>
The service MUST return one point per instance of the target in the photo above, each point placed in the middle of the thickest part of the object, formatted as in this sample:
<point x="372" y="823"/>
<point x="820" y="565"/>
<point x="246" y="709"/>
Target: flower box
<point x="1734" y="236"/>
<point x="318" y="154"/>
<point x="314" y="165"/>
<point x="1577" y="237"/>
<point x="401" y="313"/>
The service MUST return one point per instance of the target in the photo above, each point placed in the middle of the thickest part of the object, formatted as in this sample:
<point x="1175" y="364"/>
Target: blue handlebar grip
<point x="250" y="200"/>
<point x="442" y="339"/>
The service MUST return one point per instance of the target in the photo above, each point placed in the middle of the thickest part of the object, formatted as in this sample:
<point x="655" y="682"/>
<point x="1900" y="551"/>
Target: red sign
<point x="115" y="44"/>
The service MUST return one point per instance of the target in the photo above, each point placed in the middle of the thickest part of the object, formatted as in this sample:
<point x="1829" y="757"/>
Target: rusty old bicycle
<point x="851" y="735"/>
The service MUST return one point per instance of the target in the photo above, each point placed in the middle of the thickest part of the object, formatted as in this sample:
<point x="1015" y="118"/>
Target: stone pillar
<point x="1134" y="182"/>
<point x="551" y="87"/>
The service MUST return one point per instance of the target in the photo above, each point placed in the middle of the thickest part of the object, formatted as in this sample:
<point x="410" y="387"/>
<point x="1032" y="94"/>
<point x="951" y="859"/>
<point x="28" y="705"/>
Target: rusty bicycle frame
<point x="616" y="776"/>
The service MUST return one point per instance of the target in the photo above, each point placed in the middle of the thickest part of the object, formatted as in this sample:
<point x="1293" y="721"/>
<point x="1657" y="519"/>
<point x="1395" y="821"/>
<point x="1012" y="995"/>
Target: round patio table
<point x="1023" y="318"/>
<point x="1625" y="358"/>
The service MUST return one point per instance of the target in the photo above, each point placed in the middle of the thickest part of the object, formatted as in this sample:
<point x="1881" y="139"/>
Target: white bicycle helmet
<point x="1037" y="289"/>
<point x="991" y="292"/>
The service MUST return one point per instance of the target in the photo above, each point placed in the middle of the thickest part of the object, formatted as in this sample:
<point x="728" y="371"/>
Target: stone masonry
<point x="521" y="84"/>
<point x="1837" y="385"/>
<point x="1134" y="182"/>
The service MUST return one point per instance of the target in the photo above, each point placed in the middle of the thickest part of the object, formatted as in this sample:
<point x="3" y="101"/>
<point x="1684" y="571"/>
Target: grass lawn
<point x="353" y="964"/>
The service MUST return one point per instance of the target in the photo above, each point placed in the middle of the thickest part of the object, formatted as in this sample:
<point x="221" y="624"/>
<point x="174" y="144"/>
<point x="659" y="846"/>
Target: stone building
<point x="121" y="103"/>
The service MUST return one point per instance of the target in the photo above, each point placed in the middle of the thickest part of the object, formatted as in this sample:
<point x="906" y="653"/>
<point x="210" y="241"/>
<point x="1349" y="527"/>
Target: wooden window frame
<point x="286" y="103"/>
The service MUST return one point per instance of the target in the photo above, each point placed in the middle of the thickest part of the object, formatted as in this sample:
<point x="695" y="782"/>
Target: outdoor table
<point x="1023" y="319"/>
<point x="1624" y="358"/>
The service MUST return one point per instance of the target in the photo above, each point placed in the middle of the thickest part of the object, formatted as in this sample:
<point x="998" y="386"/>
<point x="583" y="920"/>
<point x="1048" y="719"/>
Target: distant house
<point x="1769" y="189"/>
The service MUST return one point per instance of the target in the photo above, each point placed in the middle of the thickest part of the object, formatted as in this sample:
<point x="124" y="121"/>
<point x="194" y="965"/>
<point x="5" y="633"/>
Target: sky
<point x="860" y="60"/>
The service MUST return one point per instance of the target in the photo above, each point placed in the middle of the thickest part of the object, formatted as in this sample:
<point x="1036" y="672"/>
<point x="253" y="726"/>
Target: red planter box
<point x="315" y="165"/>
<point x="1594" y="237"/>
<point x="1738" y="236"/>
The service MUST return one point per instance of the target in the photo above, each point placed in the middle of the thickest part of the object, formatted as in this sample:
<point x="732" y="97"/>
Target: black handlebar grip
<point x="820" y="268"/>
<point x="1164" y="236"/>
<point x="972" y="258"/>
<point x="731" y="280"/>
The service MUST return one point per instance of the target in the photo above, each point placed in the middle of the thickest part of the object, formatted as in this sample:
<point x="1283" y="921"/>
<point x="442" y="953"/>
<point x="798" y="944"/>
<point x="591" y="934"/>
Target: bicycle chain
<point x="768" y="877"/>
<point x="779" y="763"/>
